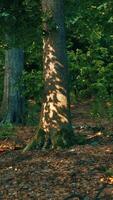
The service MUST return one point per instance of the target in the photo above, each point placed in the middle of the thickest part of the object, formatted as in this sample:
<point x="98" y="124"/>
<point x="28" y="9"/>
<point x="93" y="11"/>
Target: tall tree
<point x="17" y="21"/>
<point x="55" y="128"/>
<point x="12" y="104"/>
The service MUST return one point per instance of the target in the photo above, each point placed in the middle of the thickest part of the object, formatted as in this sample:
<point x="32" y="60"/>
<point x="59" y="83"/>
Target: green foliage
<point x="33" y="84"/>
<point x="7" y="131"/>
<point x="1" y="82"/>
<point x="32" y="113"/>
<point x="89" y="27"/>
<point x="107" y="171"/>
<point x="102" y="108"/>
<point x="19" y="21"/>
<point x="1" y="71"/>
<point x="90" y="74"/>
<point x="90" y="47"/>
<point x="32" y="91"/>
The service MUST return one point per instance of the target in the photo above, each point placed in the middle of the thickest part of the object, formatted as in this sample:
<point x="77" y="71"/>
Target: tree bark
<point x="55" y="128"/>
<point x="12" y="104"/>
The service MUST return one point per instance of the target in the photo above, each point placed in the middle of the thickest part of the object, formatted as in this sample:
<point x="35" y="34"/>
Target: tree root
<point x="56" y="139"/>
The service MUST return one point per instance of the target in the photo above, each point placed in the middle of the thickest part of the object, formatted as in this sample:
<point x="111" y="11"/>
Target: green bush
<point x="102" y="108"/>
<point x="90" y="74"/>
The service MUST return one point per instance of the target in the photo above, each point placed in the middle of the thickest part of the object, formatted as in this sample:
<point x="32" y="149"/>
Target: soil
<point x="83" y="172"/>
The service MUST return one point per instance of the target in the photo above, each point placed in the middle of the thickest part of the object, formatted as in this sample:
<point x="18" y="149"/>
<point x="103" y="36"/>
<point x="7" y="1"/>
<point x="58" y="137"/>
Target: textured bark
<point x="55" y="112"/>
<point x="12" y="104"/>
<point x="55" y="125"/>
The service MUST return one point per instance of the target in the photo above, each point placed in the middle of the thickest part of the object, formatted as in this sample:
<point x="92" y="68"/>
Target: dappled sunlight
<point x="55" y="105"/>
<point x="97" y="134"/>
<point x="62" y="99"/>
<point x="109" y="150"/>
<point x="108" y="180"/>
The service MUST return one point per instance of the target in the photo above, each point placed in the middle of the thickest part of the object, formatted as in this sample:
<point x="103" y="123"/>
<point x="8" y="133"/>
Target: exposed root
<point x="56" y="139"/>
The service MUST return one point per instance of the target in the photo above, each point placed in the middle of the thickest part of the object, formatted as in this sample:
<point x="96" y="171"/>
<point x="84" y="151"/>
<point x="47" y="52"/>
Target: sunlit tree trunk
<point x="12" y="104"/>
<point x="55" y="128"/>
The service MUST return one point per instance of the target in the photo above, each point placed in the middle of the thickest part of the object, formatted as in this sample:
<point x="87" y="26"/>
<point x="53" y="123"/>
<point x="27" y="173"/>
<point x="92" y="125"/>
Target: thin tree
<point x="55" y="128"/>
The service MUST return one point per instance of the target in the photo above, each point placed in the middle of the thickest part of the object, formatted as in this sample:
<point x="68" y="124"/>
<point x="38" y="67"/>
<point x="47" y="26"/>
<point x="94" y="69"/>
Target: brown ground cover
<point x="83" y="172"/>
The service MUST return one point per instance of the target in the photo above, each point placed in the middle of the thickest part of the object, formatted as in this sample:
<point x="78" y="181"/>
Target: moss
<point x="69" y="137"/>
<point x="29" y="146"/>
<point x="40" y="138"/>
<point x="56" y="139"/>
<point x="63" y="138"/>
<point x="37" y="141"/>
<point x="80" y="139"/>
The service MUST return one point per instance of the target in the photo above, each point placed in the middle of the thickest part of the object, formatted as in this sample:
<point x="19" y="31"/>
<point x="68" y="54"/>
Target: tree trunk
<point x="55" y="128"/>
<point x="12" y="104"/>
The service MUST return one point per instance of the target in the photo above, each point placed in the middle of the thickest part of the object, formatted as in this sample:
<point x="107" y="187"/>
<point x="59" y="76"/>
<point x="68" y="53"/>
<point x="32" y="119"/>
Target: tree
<point x="12" y="103"/>
<point x="16" y="21"/>
<point x="55" y="128"/>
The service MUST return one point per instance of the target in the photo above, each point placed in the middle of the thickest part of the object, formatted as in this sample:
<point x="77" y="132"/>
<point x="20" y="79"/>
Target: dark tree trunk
<point x="12" y="104"/>
<point x="55" y="128"/>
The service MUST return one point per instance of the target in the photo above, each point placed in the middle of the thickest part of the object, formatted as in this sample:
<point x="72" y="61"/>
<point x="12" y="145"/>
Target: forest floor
<point x="84" y="172"/>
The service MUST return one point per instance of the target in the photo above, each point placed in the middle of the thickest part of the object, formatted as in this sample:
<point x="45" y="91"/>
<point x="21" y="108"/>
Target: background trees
<point x="86" y="171"/>
<point x="14" y="19"/>
<point x="12" y="108"/>
<point x="89" y="45"/>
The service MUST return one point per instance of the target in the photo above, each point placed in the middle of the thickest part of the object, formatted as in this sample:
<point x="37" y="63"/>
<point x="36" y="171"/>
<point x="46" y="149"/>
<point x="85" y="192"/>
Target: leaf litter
<point x="84" y="172"/>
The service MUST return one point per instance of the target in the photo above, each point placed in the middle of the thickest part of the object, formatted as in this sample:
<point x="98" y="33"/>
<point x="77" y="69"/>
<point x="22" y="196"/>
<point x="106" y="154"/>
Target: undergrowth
<point x="7" y="131"/>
